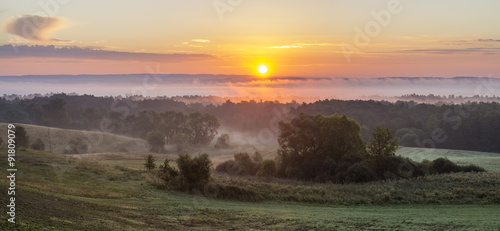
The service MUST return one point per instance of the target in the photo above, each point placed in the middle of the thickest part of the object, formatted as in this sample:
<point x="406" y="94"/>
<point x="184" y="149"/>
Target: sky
<point x="321" y="38"/>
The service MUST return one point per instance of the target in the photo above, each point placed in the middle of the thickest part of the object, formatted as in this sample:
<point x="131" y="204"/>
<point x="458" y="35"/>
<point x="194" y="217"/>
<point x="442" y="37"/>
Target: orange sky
<point x="292" y="38"/>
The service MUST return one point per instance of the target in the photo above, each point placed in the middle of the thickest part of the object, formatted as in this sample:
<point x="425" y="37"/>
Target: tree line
<point x="331" y="149"/>
<point x="467" y="126"/>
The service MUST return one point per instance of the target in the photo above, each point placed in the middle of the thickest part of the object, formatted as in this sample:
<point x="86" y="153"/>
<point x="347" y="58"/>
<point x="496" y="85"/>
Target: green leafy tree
<point x="156" y="141"/>
<point x="14" y="115"/>
<point x="172" y="123"/>
<point x="202" y="128"/>
<point x="181" y="141"/>
<point x="1" y="141"/>
<point x="383" y="144"/>
<point x="92" y="118"/>
<point x="222" y="142"/>
<point x="150" y="162"/>
<point x="54" y="113"/>
<point x="38" y="145"/>
<point x="194" y="172"/>
<point x="22" y="138"/>
<point x="311" y="145"/>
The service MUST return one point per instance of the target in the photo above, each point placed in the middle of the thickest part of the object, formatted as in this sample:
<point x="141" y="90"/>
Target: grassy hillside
<point x="98" y="142"/>
<point x="56" y="192"/>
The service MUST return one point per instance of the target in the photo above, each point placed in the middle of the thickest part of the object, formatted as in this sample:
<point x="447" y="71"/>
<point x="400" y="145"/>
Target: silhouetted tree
<point x="150" y="162"/>
<point x="202" y="128"/>
<point x="181" y="141"/>
<point x="383" y="143"/>
<point x="54" y="113"/>
<point x="156" y="141"/>
<point x="222" y="142"/>
<point x="22" y="138"/>
<point x="310" y="145"/>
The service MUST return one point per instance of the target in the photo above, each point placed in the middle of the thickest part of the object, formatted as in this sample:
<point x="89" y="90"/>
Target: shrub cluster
<point x="244" y="164"/>
<point x="330" y="149"/>
<point x="192" y="173"/>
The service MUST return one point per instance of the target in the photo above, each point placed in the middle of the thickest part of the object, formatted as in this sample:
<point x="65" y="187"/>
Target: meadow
<point x="56" y="192"/>
<point x="111" y="191"/>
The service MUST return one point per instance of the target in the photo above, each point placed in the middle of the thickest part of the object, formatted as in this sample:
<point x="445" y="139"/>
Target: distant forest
<point x="468" y="126"/>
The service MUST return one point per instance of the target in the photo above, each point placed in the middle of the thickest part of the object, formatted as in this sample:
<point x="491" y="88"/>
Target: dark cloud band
<point x="10" y="51"/>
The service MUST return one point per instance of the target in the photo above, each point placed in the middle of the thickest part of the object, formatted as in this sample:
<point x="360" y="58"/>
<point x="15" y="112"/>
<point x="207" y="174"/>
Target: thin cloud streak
<point x="92" y="53"/>
<point x="302" y="45"/>
<point x="445" y="51"/>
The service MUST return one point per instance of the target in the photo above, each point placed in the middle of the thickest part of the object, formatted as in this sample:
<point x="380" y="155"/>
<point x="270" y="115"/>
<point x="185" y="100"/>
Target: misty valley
<point x="113" y="153"/>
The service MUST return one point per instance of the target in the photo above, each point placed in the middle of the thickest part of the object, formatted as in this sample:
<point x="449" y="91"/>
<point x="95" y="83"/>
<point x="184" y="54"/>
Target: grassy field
<point x="107" y="190"/>
<point x="98" y="142"/>
<point x="56" y="192"/>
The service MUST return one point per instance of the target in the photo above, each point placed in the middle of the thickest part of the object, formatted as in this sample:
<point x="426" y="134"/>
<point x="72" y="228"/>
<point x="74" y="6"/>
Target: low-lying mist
<point x="238" y="88"/>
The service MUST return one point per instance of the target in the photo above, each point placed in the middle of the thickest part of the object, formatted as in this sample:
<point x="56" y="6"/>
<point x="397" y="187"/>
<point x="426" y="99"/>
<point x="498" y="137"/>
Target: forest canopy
<point x="467" y="126"/>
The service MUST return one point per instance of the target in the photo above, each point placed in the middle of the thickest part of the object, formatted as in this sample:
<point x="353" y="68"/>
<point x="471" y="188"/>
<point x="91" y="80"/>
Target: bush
<point x="397" y="167"/>
<point x="230" y="167"/>
<point x="472" y="168"/>
<point x="194" y="172"/>
<point x="361" y="172"/>
<point x="168" y="173"/>
<point x="268" y="168"/>
<point x="222" y="142"/>
<point x="446" y="166"/>
<point x="38" y="145"/>
<point x="243" y="164"/>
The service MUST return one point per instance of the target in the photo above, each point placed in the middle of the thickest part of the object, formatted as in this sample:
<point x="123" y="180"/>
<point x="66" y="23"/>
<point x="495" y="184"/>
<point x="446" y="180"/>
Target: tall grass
<point x="455" y="188"/>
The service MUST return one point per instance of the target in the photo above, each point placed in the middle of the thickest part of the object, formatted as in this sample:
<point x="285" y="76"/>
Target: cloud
<point x="302" y="45"/>
<point x="94" y="53"/>
<point x="34" y="27"/>
<point x="468" y="42"/>
<point x="200" y="40"/>
<point x="196" y="42"/>
<point x="473" y="50"/>
<point x="487" y="40"/>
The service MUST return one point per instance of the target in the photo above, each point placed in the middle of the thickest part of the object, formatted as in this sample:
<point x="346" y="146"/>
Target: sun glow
<point x="263" y="69"/>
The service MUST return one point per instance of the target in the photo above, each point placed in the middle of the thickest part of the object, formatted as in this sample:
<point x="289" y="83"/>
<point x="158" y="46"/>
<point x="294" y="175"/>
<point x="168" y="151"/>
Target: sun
<point x="263" y="69"/>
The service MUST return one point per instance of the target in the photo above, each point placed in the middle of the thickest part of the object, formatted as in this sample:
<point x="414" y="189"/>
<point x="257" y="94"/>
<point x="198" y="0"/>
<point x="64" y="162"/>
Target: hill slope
<point x="98" y="142"/>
